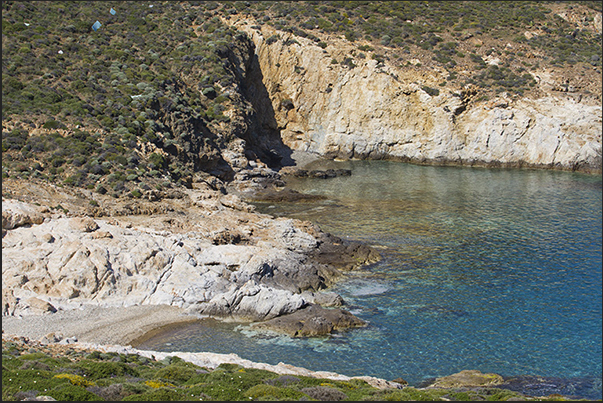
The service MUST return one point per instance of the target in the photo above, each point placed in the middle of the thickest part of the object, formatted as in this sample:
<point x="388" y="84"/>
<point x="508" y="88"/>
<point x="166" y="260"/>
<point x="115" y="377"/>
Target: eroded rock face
<point x="218" y="259"/>
<point x="135" y="266"/>
<point x="375" y="111"/>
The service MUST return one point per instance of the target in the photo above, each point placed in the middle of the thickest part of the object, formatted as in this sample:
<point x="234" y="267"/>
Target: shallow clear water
<point x="495" y="270"/>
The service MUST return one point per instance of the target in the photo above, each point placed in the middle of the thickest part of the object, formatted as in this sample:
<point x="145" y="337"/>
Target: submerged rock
<point x="554" y="386"/>
<point x="316" y="173"/>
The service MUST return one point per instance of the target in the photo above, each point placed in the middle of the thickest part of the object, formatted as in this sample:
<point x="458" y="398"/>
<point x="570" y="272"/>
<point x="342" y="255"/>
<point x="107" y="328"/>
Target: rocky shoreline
<point x="201" y="251"/>
<point x="203" y="359"/>
<point x="222" y="261"/>
<point x="91" y="272"/>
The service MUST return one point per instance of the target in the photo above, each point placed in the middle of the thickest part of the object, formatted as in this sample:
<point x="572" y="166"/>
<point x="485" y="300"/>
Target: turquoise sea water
<point x="490" y="269"/>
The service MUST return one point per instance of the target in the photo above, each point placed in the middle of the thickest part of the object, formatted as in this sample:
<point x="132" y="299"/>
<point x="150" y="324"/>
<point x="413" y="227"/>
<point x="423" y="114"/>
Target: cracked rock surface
<point x="204" y="252"/>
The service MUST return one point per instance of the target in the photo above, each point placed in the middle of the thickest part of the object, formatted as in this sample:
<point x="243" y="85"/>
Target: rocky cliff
<point x="373" y="109"/>
<point x="129" y="204"/>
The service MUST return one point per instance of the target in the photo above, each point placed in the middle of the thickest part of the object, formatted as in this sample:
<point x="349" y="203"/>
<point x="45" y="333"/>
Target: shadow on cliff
<point x="263" y="136"/>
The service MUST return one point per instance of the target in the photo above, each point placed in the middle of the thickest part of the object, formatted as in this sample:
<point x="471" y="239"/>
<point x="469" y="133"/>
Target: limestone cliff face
<point x="374" y="110"/>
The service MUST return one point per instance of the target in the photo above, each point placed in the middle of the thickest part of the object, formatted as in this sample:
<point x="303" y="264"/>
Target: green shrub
<point x="161" y="394"/>
<point x="348" y="62"/>
<point x="12" y="83"/>
<point x="176" y="373"/>
<point x="379" y="58"/>
<point x="411" y="394"/>
<point x="73" y="393"/>
<point x="460" y="396"/>
<point x="272" y="39"/>
<point x="269" y="392"/>
<point x="99" y="369"/>
<point x="324" y="393"/>
<point x="157" y="160"/>
<point x="22" y="380"/>
<point x="287" y="104"/>
<point x="15" y="140"/>
<point x="52" y="124"/>
<point x="434" y="92"/>
<point x="75" y="379"/>
<point x="220" y="98"/>
<point x="209" y="92"/>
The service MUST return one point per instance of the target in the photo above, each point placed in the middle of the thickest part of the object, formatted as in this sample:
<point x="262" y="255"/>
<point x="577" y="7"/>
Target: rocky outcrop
<point x="375" y="110"/>
<point x="310" y="321"/>
<point x="467" y="378"/>
<point x="219" y="259"/>
<point x="18" y="214"/>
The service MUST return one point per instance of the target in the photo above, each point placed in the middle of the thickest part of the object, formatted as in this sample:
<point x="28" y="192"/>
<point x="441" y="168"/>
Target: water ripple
<point x="496" y="270"/>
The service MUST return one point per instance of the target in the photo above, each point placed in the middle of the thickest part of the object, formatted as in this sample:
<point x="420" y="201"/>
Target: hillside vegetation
<point x="454" y="36"/>
<point x="160" y="90"/>
<point x="140" y="101"/>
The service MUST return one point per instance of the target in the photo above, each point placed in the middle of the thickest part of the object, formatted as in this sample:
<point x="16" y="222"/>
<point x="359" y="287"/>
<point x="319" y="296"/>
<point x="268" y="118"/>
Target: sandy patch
<point x="93" y="324"/>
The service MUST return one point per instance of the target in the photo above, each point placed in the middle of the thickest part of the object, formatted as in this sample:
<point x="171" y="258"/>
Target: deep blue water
<point x="490" y="269"/>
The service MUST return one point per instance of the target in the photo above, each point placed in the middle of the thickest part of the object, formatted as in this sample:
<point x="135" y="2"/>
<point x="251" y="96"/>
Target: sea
<point x="497" y="270"/>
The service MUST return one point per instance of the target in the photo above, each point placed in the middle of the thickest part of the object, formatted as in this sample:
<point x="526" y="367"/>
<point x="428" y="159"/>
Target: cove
<point x="491" y="269"/>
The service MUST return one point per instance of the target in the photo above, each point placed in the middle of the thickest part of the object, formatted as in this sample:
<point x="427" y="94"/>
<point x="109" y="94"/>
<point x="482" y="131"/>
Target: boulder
<point x="323" y="298"/>
<point x="84" y="224"/>
<point x="251" y="302"/>
<point x="234" y="202"/>
<point x="17" y="214"/>
<point x="51" y="338"/>
<point x="343" y="254"/>
<point x="400" y="381"/>
<point x="40" y="306"/>
<point x="9" y="302"/>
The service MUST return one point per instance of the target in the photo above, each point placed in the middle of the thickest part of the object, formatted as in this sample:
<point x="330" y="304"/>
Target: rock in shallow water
<point x="467" y="378"/>
<point x="312" y="321"/>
